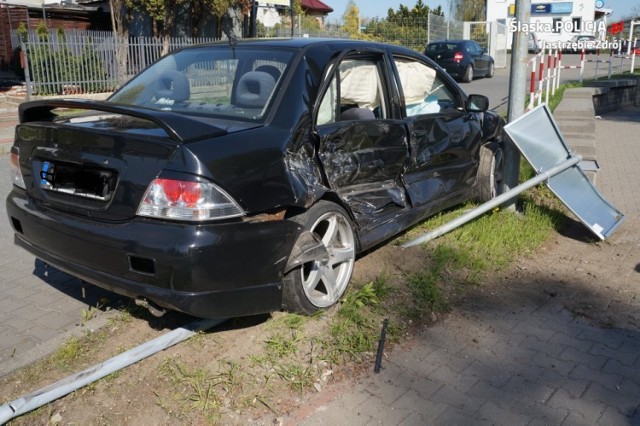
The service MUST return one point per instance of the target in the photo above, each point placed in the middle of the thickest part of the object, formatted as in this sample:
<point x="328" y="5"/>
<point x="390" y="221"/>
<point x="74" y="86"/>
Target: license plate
<point x="47" y="175"/>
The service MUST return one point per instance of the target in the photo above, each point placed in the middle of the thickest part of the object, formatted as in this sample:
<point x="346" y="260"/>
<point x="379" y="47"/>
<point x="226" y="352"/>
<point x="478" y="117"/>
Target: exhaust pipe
<point x="153" y="308"/>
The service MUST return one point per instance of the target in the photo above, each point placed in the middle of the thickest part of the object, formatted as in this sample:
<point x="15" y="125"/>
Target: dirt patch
<point x="235" y="374"/>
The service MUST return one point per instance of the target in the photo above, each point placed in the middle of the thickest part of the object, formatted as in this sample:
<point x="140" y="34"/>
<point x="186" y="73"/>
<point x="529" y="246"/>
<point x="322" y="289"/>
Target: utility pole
<point x="517" y="89"/>
<point x="291" y="8"/>
<point x="253" y="20"/>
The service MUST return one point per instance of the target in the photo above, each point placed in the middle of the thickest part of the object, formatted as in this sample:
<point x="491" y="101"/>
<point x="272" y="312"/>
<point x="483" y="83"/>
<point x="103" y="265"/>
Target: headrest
<point x="173" y="85"/>
<point x="357" y="114"/>
<point x="254" y="89"/>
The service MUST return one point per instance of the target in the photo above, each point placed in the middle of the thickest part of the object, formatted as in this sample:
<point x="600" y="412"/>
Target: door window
<point x="425" y="92"/>
<point x="356" y="92"/>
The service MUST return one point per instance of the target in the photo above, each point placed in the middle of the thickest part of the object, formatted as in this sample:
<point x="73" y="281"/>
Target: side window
<point x="328" y="106"/>
<point x="356" y="92"/>
<point x="424" y="91"/>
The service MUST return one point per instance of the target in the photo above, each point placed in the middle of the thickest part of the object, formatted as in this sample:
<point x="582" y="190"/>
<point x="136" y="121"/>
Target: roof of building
<point x="315" y="6"/>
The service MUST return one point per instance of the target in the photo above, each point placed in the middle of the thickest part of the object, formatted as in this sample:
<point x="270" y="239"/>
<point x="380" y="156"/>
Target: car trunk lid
<point x="98" y="164"/>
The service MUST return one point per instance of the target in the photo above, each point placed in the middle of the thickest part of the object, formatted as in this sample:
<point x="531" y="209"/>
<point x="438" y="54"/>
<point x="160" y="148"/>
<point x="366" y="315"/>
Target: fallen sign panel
<point x="537" y="136"/>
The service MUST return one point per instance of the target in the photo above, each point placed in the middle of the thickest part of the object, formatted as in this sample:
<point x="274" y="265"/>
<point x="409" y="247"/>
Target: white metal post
<point x="541" y="77"/>
<point x="633" y="57"/>
<point x="549" y="59"/>
<point x="559" y="68"/>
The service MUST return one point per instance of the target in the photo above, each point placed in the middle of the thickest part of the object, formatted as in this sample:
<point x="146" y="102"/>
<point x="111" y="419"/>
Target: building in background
<point x="555" y="20"/>
<point x="270" y="12"/>
<point x="80" y="15"/>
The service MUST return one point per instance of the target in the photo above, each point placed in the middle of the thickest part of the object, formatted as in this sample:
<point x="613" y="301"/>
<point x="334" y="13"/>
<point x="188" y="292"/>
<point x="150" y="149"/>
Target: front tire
<point x="490" y="171"/>
<point x="320" y="283"/>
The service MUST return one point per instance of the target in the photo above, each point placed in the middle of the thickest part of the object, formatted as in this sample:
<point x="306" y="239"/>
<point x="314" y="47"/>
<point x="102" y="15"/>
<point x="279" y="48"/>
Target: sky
<point x="378" y="8"/>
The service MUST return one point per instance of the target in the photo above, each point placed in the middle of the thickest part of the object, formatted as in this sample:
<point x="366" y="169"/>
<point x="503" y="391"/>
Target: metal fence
<point x="492" y="36"/>
<point x="414" y="33"/>
<point x="74" y="62"/>
<point x="78" y="61"/>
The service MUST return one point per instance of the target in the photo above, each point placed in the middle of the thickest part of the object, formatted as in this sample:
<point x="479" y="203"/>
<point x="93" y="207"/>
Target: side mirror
<point x="477" y="103"/>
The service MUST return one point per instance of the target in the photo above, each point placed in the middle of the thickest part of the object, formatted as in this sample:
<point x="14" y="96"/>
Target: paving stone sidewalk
<point x="522" y="359"/>
<point x="38" y="306"/>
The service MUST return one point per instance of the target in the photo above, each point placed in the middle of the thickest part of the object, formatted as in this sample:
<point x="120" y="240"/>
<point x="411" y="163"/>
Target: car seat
<point x="254" y="89"/>
<point x="173" y="85"/>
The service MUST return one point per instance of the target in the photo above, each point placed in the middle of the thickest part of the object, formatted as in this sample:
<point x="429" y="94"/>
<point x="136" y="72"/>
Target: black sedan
<point x="238" y="179"/>
<point x="462" y="59"/>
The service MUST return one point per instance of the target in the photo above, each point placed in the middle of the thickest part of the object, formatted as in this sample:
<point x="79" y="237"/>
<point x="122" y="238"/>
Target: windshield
<point x="212" y="81"/>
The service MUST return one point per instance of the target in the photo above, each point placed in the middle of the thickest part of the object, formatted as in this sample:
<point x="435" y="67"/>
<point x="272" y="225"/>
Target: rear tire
<point x="320" y="283"/>
<point x="491" y="71"/>
<point x="468" y="74"/>
<point x="490" y="170"/>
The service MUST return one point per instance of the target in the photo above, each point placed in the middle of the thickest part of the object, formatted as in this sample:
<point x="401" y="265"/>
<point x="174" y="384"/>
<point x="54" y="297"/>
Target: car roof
<point x="450" y="41"/>
<point x="301" y="43"/>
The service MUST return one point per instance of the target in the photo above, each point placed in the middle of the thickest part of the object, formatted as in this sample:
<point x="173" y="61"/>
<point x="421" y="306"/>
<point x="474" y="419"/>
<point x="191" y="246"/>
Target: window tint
<point x="442" y="47"/>
<point x="356" y="92"/>
<point x="423" y="89"/>
<point x="210" y="81"/>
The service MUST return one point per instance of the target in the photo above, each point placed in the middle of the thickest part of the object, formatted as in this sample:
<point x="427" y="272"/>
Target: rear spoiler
<point x="181" y="128"/>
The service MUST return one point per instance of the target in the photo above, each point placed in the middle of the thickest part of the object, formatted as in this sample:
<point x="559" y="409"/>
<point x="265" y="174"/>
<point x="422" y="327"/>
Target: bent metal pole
<point x="491" y="204"/>
<point x="69" y="384"/>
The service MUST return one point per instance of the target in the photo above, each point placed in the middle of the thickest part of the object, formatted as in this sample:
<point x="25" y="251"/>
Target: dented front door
<point x="443" y="138"/>
<point x="363" y="151"/>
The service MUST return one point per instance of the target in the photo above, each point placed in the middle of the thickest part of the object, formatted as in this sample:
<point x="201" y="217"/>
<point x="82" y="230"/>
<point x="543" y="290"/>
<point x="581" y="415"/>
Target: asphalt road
<point x="497" y="88"/>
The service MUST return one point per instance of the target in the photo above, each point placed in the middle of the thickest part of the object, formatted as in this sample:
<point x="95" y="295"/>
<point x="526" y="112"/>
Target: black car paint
<point x="218" y="269"/>
<point x="479" y="60"/>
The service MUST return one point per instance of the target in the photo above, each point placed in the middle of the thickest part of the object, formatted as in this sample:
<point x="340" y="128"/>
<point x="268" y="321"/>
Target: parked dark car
<point x="534" y="44"/>
<point x="235" y="180"/>
<point x="464" y="60"/>
<point x="578" y="43"/>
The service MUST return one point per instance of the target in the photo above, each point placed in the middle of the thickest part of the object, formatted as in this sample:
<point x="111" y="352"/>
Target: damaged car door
<point x="362" y="148"/>
<point x="443" y="137"/>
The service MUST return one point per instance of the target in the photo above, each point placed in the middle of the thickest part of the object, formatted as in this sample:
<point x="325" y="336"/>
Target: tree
<point x="351" y="19"/>
<point x="468" y="10"/>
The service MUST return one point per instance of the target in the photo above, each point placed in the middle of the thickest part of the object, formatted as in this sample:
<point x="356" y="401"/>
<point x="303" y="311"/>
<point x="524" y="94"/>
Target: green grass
<point x="491" y="241"/>
<point x="71" y="350"/>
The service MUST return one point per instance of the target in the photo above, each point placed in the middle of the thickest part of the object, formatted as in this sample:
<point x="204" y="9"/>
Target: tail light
<point x="187" y="200"/>
<point x="16" y="174"/>
<point x="458" y="57"/>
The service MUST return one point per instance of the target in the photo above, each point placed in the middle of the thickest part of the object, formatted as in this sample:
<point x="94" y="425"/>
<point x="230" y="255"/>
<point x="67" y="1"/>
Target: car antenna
<point x="227" y="29"/>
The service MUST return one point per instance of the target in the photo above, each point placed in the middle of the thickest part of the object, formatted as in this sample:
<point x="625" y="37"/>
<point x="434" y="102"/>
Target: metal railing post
<point x="27" y="74"/>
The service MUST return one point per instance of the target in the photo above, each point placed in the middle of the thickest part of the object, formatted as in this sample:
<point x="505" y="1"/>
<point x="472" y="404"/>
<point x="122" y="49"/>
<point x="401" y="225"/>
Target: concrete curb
<point x="50" y="346"/>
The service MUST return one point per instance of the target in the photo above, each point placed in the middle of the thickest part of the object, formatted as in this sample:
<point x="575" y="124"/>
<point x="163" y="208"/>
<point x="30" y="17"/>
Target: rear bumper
<point x="207" y="270"/>
<point x="454" y="69"/>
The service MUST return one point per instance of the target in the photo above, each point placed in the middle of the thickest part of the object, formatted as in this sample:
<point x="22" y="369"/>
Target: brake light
<point x="16" y="174"/>
<point x="187" y="200"/>
<point x="458" y="56"/>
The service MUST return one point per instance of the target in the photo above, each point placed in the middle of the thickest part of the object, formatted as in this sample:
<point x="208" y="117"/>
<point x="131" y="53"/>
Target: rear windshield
<point x="212" y="81"/>
<point x="442" y="47"/>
